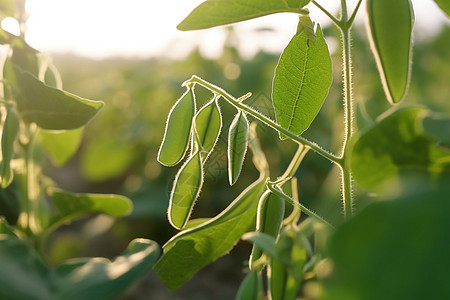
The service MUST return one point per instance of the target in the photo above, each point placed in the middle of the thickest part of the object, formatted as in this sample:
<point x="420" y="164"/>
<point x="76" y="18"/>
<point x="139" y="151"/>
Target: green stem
<point x="217" y="90"/>
<point x="347" y="187"/>
<point x="325" y="11"/>
<point x="274" y="189"/>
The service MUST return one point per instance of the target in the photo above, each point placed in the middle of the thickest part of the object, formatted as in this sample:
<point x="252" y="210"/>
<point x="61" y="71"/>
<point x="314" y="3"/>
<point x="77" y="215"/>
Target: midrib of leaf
<point x="300" y="88"/>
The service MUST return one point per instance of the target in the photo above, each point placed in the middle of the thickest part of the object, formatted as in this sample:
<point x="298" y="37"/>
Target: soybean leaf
<point x="237" y="146"/>
<point x="186" y="189"/>
<point x="208" y="123"/>
<point x="10" y="203"/>
<point x="194" y="248"/>
<point x="23" y="274"/>
<point x="265" y="242"/>
<point x="99" y="278"/>
<point x="221" y="12"/>
<point x="396" y="150"/>
<point x="390" y="24"/>
<point x="52" y="108"/>
<point x="6" y="229"/>
<point x="61" y="146"/>
<point x="302" y="79"/>
<point x="444" y="5"/>
<point x="250" y="288"/>
<point x="178" y="130"/>
<point x="384" y="252"/>
<point x="9" y="135"/>
<point x="71" y="205"/>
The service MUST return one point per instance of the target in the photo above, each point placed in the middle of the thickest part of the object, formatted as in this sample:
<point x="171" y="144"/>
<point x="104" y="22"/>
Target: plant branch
<point x="277" y="191"/>
<point x="347" y="195"/>
<point x="352" y="18"/>
<point x="264" y="119"/>
<point x="325" y="11"/>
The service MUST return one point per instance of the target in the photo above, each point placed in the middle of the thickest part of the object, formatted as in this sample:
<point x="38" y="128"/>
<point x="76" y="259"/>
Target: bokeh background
<point x="132" y="57"/>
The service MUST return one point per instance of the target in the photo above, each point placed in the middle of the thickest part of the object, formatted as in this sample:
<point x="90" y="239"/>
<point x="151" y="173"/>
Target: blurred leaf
<point x="98" y="278"/>
<point x="10" y="132"/>
<point x="10" y="203"/>
<point x="438" y="128"/>
<point x="51" y="108"/>
<point x="250" y="288"/>
<point x="178" y="130"/>
<point x="390" y="24"/>
<point x="237" y="146"/>
<point x="265" y="242"/>
<point x="395" y="150"/>
<point x="444" y="5"/>
<point x="185" y="191"/>
<point x="7" y="8"/>
<point x="61" y="146"/>
<point x="221" y="12"/>
<point x="70" y="205"/>
<point x="105" y="158"/>
<point x="23" y="274"/>
<point x="302" y="79"/>
<point x="6" y="229"/>
<point x="394" y="250"/>
<point x="194" y="248"/>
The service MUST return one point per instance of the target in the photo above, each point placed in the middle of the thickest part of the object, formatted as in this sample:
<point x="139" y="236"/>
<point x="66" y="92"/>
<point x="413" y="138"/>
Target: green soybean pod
<point x="268" y="219"/>
<point x="178" y="130"/>
<point x="237" y="145"/>
<point x="185" y="191"/>
<point x="250" y="288"/>
<point x="9" y="135"/>
<point x="208" y="123"/>
<point x="389" y="25"/>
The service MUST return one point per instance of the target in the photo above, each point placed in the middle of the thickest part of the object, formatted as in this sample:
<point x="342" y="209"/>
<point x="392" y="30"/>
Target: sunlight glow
<point x="143" y="28"/>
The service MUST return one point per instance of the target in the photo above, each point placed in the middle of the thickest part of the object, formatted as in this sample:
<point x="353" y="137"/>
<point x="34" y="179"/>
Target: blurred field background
<point x="119" y="148"/>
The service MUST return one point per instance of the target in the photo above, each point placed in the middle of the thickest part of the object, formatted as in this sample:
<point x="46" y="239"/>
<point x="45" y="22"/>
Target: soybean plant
<point x="40" y="120"/>
<point x="292" y="243"/>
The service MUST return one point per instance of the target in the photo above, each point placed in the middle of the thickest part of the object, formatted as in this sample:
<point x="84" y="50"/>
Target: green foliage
<point x="395" y="150"/>
<point x="9" y="136"/>
<point x="444" y="5"/>
<point x="390" y="25"/>
<point x="10" y="203"/>
<point x="28" y="277"/>
<point x="301" y="82"/>
<point x="221" y="12"/>
<point x="393" y="250"/>
<point x="251" y="287"/>
<point x="61" y="145"/>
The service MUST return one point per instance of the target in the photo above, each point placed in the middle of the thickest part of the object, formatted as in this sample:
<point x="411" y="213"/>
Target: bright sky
<point x="146" y="28"/>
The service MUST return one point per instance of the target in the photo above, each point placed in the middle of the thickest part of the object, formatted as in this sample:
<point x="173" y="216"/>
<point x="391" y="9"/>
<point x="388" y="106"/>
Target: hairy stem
<point x="347" y="186"/>
<point x="263" y="118"/>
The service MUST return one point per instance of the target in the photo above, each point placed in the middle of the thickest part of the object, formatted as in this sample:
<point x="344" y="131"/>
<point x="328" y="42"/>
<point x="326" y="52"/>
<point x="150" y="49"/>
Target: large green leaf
<point x="61" y="146"/>
<point x="71" y="205"/>
<point x="444" y="5"/>
<point x="98" y="278"/>
<point x="302" y="79"/>
<point x="397" y="149"/>
<point x="390" y="24"/>
<point x="51" y="108"/>
<point x="394" y="250"/>
<point x="24" y="275"/>
<point x="221" y="12"/>
<point x="194" y="248"/>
